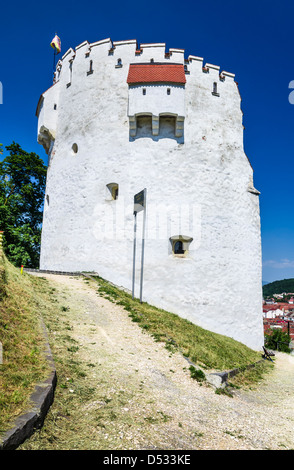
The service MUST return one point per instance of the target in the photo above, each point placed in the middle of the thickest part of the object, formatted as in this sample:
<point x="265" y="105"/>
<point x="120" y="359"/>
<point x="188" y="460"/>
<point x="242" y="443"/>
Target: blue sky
<point x="253" y="39"/>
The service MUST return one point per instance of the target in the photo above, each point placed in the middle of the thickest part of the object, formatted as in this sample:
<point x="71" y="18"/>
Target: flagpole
<point x="134" y="255"/>
<point x="143" y="246"/>
<point x="54" y="60"/>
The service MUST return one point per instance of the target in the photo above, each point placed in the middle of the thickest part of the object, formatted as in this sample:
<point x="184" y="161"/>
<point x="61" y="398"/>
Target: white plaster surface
<point x="197" y="186"/>
<point x="156" y="100"/>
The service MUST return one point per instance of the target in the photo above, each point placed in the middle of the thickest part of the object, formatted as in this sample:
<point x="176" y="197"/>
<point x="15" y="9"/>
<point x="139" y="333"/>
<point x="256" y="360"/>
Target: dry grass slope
<point x="22" y="340"/>
<point x="209" y="350"/>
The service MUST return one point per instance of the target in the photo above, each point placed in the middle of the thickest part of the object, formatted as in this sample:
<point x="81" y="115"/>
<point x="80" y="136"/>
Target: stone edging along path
<point x="41" y="400"/>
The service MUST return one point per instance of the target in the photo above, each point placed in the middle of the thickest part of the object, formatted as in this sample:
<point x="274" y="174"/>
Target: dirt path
<point x="144" y="397"/>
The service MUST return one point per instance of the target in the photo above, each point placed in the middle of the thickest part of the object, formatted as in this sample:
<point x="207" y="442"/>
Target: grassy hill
<point x="22" y="340"/>
<point x="278" y="287"/>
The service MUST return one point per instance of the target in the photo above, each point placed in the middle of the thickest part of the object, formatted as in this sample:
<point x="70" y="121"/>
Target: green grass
<point x="208" y="350"/>
<point x="25" y="298"/>
<point x="22" y="340"/>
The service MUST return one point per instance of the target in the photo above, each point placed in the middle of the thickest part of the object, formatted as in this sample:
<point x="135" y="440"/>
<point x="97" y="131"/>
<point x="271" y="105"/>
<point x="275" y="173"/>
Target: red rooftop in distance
<point x="156" y="73"/>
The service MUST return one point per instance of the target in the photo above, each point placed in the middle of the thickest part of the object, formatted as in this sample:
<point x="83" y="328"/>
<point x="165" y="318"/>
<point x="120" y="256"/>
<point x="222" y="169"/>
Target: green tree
<point x="22" y="186"/>
<point x="278" y="340"/>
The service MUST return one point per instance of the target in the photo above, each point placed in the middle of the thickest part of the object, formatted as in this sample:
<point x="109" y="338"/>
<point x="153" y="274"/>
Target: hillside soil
<point x="135" y="394"/>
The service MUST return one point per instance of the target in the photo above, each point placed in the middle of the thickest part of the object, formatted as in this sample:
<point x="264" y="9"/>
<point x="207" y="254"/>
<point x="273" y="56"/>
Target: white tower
<point x="119" y="119"/>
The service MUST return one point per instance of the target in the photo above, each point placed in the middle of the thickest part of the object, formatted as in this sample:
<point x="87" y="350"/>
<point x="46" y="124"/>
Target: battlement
<point x="129" y="51"/>
<point x="157" y="86"/>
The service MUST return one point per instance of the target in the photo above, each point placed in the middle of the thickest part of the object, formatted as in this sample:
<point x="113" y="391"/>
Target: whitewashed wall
<point x="197" y="186"/>
<point x="156" y="100"/>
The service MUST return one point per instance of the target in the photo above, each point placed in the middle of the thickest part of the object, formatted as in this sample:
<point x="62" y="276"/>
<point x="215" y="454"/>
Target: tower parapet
<point x="95" y="58"/>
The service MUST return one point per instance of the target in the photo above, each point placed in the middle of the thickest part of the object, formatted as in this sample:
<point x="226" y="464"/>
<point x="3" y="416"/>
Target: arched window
<point x="112" y="191"/>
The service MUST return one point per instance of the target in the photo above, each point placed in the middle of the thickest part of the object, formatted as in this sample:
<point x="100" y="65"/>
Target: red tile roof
<point x="156" y="73"/>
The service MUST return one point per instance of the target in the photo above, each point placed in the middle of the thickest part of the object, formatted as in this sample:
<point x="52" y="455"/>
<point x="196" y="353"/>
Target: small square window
<point x="180" y="245"/>
<point x="119" y="64"/>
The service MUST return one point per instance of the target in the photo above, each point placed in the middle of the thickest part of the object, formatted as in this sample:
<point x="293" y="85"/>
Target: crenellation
<point x="195" y="65"/>
<point x="154" y="51"/>
<point x="212" y="67"/>
<point x="70" y="52"/>
<point x="227" y="74"/>
<point x="177" y="55"/>
<point x="194" y="57"/>
<point x="83" y="44"/>
<point x="125" y="42"/>
<point x="148" y="52"/>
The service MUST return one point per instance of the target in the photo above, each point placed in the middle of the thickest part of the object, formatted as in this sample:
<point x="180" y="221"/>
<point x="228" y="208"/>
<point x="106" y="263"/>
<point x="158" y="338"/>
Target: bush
<point x="278" y="340"/>
<point x="197" y="374"/>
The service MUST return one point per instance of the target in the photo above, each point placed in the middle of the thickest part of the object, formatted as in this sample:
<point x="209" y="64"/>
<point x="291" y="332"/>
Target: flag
<point x="56" y="44"/>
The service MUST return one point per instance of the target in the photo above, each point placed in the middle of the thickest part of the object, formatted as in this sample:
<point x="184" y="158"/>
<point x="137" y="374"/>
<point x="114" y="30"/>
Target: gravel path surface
<point x="163" y="407"/>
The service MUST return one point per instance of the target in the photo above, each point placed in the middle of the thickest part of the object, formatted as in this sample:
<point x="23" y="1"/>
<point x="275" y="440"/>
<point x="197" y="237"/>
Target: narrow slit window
<point x="186" y="70"/>
<point x="90" y="71"/>
<point x="119" y="63"/>
<point x="168" y="91"/>
<point x="70" y="74"/>
<point x="144" y="91"/>
<point x="214" y="89"/>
